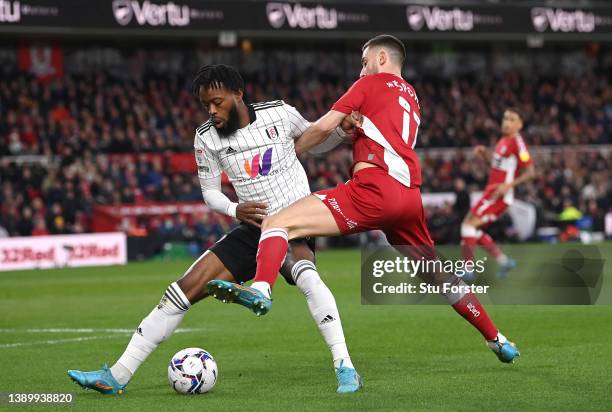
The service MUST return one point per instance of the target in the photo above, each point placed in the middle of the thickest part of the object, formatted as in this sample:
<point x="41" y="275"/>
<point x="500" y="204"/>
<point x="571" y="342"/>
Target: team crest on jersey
<point x="272" y="132"/>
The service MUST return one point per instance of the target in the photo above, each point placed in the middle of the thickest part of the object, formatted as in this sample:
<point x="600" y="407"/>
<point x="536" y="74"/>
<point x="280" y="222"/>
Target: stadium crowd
<point x="57" y="138"/>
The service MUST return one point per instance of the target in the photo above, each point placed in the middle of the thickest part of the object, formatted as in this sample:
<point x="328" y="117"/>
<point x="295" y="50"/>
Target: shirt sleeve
<point x="209" y="174"/>
<point x="353" y="98"/>
<point x="214" y="197"/>
<point x="524" y="158"/>
<point x="333" y="140"/>
<point x="207" y="161"/>
<point x="297" y="123"/>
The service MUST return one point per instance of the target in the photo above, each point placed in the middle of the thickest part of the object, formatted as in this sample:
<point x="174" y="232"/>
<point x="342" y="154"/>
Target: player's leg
<point x="307" y="217"/>
<point x="472" y="234"/>
<point x="347" y="208"/>
<point x="410" y="230"/>
<point x="157" y="326"/>
<point x="299" y="269"/>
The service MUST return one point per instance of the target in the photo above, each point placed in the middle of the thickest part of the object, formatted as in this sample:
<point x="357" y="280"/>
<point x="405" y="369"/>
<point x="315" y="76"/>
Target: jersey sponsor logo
<point x="230" y="150"/>
<point x="204" y="169"/>
<point x="259" y="165"/>
<point x="272" y="132"/>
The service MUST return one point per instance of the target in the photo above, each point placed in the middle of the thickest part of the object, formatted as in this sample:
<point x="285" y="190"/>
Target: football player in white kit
<point x="254" y="145"/>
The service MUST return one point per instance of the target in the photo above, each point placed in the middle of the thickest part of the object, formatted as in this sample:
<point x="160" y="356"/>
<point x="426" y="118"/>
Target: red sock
<point x="489" y="245"/>
<point x="468" y="244"/>
<point x="470" y="308"/>
<point x="270" y="255"/>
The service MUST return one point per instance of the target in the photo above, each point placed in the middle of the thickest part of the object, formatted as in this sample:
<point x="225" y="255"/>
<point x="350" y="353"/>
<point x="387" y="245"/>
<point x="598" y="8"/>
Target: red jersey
<point x="510" y="157"/>
<point x="391" y="118"/>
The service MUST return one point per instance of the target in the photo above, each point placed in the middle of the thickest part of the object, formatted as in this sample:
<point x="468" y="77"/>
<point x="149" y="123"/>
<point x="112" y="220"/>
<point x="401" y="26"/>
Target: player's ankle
<point x="499" y="338"/>
<point x="263" y="287"/>
<point x="120" y="373"/>
<point x="344" y="363"/>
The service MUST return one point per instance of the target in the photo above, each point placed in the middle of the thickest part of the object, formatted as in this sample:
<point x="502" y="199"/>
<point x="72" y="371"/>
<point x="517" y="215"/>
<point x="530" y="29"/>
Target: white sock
<point x="501" y="338"/>
<point x="502" y="259"/>
<point x="263" y="287"/>
<point x="323" y="309"/>
<point x="153" y="330"/>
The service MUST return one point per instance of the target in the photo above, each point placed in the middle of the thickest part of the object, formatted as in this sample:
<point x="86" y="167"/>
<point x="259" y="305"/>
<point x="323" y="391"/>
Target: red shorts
<point x="489" y="209"/>
<point x="374" y="200"/>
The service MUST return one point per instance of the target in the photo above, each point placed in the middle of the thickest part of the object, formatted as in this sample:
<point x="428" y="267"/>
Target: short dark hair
<point x="518" y="112"/>
<point x="390" y="42"/>
<point x="217" y="76"/>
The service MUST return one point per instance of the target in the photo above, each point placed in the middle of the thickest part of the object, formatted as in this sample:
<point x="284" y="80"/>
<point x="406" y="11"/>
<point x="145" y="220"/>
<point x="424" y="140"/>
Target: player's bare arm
<point x="528" y="174"/>
<point x="319" y="131"/>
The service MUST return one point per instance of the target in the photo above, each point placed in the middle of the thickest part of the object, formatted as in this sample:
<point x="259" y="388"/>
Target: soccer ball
<point x="192" y="371"/>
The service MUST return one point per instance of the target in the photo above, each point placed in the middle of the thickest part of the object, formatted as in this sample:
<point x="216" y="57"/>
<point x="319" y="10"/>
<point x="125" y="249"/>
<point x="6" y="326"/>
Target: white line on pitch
<point x="86" y="330"/>
<point x="84" y="338"/>
<point x="54" y="342"/>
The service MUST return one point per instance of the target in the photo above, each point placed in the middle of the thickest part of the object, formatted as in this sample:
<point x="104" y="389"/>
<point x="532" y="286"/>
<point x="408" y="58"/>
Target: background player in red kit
<point x="511" y="165"/>
<point x="382" y="194"/>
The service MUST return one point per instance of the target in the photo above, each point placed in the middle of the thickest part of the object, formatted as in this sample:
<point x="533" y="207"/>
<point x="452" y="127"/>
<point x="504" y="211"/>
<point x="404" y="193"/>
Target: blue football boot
<point x="348" y="380"/>
<point x="101" y="381"/>
<point x="229" y="292"/>
<point x="502" y="270"/>
<point x="507" y="352"/>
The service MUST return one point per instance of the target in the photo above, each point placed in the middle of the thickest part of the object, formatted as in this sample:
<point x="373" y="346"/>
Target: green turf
<point x="411" y="357"/>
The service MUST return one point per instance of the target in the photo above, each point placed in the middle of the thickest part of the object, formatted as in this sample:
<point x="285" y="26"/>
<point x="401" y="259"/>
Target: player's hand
<point x="501" y="190"/>
<point x="480" y="150"/>
<point x="251" y="212"/>
<point x="351" y="122"/>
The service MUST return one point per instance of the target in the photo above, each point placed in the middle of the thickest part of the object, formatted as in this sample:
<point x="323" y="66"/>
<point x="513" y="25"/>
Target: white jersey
<point x="259" y="159"/>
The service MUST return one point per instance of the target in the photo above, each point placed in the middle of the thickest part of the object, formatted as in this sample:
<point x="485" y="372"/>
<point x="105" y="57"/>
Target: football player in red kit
<point x="511" y="165"/>
<point x="383" y="192"/>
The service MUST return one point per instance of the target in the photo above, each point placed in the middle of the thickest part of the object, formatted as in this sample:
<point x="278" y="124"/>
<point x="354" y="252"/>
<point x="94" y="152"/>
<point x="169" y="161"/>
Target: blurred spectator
<point x="92" y="132"/>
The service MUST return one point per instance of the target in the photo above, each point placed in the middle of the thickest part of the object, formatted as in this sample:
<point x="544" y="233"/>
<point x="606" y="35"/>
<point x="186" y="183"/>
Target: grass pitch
<point x="411" y="357"/>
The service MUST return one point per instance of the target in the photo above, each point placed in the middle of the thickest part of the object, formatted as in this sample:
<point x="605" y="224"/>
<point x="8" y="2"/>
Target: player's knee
<point x="268" y="223"/>
<point x="274" y="221"/>
<point x="468" y="229"/>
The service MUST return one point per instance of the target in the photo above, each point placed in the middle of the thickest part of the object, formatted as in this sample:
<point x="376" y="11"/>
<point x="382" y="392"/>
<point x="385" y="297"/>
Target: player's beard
<point x="232" y="124"/>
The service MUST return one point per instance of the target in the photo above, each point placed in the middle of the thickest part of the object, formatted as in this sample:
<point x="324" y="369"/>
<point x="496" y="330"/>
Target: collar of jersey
<point x="252" y="115"/>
